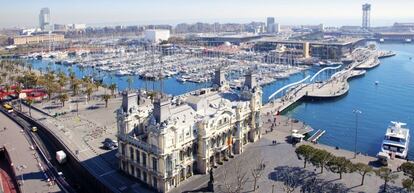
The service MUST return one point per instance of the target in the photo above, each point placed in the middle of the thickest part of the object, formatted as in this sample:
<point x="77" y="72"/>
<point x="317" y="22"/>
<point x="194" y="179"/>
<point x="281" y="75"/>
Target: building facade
<point x="157" y="35"/>
<point x="164" y="141"/>
<point x="36" y="39"/>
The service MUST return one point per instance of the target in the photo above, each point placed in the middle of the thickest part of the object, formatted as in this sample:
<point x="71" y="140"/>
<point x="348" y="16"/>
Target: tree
<point x="362" y="169"/>
<point x="63" y="98"/>
<point x="18" y="90"/>
<point x="408" y="169"/>
<point x="387" y="175"/>
<point x="339" y="165"/>
<point x="106" y="98"/>
<point x="305" y="152"/>
<point x="408" y="185"/>
<point x="321" y="158"/>
<point x="129" y="80"/>
<point x="89" y="91"/>
<point x="235" y="177"/>
<point x="62" y="80"/>
<point x="97" y="84"/>
<point x="75" y="86"/>
<point x="29" y="80"/>
<point x="50" y="89"/>
<point x="257" y="171"/>
<point x="112" y="87"/>
<point x="30" y="102"/>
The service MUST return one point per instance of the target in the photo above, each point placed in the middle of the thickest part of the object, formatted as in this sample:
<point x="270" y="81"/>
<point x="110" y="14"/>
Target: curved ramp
<point x="287" y="86"/>
<point x="324" y="69"/>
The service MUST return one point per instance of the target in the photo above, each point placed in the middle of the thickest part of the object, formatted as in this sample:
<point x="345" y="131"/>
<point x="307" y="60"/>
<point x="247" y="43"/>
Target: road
<point x="32" y="171"/>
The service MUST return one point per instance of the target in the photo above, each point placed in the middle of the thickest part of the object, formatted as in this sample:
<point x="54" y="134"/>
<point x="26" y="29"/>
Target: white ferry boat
<point x="396" y="141"/>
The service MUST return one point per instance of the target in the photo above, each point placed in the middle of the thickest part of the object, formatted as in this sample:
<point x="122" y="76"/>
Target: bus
<point x="8" y="107"/>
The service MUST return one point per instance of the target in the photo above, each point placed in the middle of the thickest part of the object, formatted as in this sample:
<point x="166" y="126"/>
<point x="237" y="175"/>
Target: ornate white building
<point x="164" y="141"/>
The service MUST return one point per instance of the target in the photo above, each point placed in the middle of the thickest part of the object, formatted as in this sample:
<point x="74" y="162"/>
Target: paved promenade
<point x="334" y="87"/>
<point x="26" y="162"/>
<point x="280" y="159"/>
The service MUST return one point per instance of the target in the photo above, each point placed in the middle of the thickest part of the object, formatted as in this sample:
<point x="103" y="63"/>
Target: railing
<point x="141" y="144"/>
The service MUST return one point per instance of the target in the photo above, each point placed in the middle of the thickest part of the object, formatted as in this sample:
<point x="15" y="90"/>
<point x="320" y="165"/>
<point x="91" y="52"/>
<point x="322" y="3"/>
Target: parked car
<point x="110" y="144"/>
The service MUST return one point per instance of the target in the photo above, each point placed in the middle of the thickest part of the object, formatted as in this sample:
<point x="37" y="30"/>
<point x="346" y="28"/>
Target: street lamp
<point x="356" y="112"/>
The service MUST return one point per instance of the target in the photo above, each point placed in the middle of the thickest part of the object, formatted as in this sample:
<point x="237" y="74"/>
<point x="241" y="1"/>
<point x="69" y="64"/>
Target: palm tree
<point x="112" y="87"/>
<point x="106" y="98"/>
<point x="63" y="98"/>
<point x="89" y="91"/>
<point x="30" y="66"/>
<point x="129" y="80"/>
<point x="7" y="87"/>
<point x="62" y="80"/>
<point x="18" y="90"/>
<point x="97" y="85"/>
<point x="75" y="87"/>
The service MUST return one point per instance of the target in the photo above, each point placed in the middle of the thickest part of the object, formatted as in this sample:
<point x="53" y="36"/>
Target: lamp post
<point x="356" y="112"/>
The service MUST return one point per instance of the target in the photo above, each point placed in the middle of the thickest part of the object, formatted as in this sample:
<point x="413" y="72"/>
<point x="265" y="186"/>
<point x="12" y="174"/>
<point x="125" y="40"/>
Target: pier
<point x="314" y="138"/>
<point x="334" y="87"/>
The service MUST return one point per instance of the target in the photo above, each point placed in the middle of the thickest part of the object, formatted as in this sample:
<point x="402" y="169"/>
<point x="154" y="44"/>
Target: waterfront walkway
<point x="280" y="159"/>
<point x="334" y="87"/>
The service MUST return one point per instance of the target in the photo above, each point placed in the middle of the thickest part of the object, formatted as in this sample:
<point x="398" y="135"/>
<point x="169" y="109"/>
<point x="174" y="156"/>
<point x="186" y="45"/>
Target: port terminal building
<point x="165" y="140"/>
<point x="332" y="50"/>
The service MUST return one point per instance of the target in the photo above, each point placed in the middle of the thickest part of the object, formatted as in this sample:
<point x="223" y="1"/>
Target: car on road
<point x="110" y="144"/>
<point x="8" y="107"/>
<point x="34" y="129"/>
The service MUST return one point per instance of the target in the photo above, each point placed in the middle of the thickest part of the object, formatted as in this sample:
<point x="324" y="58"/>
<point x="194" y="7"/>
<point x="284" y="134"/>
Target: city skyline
<point x="23" y="13"/>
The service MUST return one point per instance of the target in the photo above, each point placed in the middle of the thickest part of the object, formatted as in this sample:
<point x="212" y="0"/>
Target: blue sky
<point x="24" y="13"/>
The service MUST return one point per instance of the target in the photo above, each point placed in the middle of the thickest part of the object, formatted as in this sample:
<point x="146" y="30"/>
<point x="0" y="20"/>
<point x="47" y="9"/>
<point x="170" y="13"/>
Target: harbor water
<point x="392" y="99"/>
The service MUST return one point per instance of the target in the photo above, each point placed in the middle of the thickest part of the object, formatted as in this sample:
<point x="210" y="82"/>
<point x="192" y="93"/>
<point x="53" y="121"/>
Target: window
<point x="144" y="176"/>
<point x="123" y="149"/>
<point x="124" y="166"/>
<point x="131" y="152"/>
<point x="132" y="169"/>
<point x="137" y="156"/>
<point x="138" y="173"/>
<point x="181" y="155"/>
<point x="154" y="179"/>
<point x="144" y="159"/>
<point x="154" y="164"/>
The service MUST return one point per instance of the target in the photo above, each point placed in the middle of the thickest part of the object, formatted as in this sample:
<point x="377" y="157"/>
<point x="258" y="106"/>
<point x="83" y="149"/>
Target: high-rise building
<point x="366" y="16"/>
<point x="270" y="24"/>
<point x="44" y="19"/>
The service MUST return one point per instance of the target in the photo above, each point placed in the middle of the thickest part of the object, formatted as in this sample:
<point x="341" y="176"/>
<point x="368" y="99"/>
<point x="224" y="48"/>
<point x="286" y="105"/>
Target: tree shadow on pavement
<point x="203" y="189"/>
<point x="308" y="182"/>
<point x="391" y="189"/>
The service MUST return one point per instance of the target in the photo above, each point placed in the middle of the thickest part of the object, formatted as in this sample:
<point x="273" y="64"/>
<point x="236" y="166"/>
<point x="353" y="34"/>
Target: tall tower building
<point x="44" y="19"/>
<point x="270" y="25"/>
<point x="366" y="16"/>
